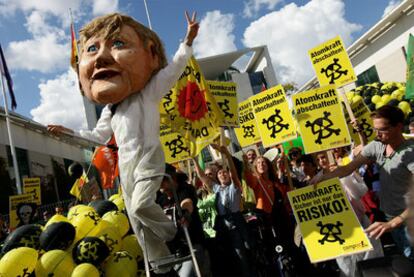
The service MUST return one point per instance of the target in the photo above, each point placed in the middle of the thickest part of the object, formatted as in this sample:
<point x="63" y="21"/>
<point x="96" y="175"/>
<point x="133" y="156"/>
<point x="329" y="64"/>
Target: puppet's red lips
<point x="104" y="74"/>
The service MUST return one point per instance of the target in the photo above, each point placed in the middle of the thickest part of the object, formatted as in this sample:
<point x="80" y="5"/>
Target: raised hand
<point x="192" y="28"/>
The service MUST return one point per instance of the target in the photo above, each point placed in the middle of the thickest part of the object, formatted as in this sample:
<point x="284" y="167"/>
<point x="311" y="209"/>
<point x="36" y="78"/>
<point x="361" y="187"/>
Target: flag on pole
<point x="74" y="57"/>
<point x="77" y="186"/>
<point x="5" y="72"/>
<point x="106" y="162"/>
<point x="409" y="88"/>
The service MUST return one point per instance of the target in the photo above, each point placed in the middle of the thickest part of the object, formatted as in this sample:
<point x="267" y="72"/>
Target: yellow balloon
<point x="76" y="210"/>
<point x="85" y="270"/>
<point x="56" y="218"/>
<point x="120" y="264"/>
<point x="379" y="104"/>
<point x="86" y="224"/>
<point x="119" y="202"/>
<point x="386" y="98"/>
<point x="131" y="245"/>
<point x="114" y="196"/>
<point x="20" y="261"/>
<point x="109" y="234"/>
<point x="56" y="262"/>
<point x="405" y="107"/>
<point x="357" y="98"/>
<point x="375" y="99"/>
<point x="119" y="220"/>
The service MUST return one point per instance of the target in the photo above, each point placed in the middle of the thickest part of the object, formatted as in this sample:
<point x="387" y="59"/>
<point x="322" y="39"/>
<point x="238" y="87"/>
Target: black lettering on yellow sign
<point x="196" y="132"/>
<point x="189" y="70"/>
<point x="325" y="209"/>
<point x="316" y="97"/>
<point x="315" y="106"/>
<point x="315" y="193"/>
<point x="267" y="98"/>
<point x="269" y="105"/>
<point x="246" y="117"/>
<point x="221" y="87"/>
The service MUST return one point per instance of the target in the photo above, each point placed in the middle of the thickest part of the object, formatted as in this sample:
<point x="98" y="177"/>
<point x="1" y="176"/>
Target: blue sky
<point x="36" y="39"/>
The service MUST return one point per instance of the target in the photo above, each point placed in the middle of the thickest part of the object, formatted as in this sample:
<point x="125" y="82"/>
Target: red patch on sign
<point x="191" y="102"/>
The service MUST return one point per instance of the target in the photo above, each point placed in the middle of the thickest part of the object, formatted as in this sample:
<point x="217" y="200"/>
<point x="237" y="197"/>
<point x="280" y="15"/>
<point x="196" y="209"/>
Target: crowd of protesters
<point x="240" y="221"/>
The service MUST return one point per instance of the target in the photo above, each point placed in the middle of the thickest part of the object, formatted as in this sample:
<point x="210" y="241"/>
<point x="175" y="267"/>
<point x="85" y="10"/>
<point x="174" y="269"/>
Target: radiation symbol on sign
<point x="334" y="71"/>
<point x="176" y="146"/>
<point x="365" y="127"/>
<point x="88" y="250"/>
<point x="224" y="106"/>
<point x="331" y="232"/>
<point x="122" y="255"/>
<point x="248" y="131"/>
<point x="322" y="126"/>
<point x="274" y="123"/>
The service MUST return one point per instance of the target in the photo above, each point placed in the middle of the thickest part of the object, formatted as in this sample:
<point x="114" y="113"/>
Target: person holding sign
<point x="395" y="157"/>
<point x="123" y="65"/>
<point x="354" y="188"/>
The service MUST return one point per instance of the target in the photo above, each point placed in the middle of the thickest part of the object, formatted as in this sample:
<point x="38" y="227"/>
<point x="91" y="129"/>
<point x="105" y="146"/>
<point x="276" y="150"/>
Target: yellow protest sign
<point x="226" y="98"/>
<point x="190" y="109"/>
<point x="332" y="64"/>
<point x="363" y="116"/>
<point x="32" y="185"/>
<point x="14" y="203"/>
<point x="321" y="121"/>
<point x="273" y="116"/>
<point x="248" y="133"/>
<point x="328" y="224"/>
<point x="175" y="147"/>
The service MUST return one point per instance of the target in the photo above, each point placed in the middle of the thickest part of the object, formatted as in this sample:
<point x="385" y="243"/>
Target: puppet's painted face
<point x="110" y="70"/>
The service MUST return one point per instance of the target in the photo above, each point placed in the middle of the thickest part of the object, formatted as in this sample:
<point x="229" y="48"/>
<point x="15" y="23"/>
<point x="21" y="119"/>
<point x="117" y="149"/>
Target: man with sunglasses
<point x="395" y="157"/>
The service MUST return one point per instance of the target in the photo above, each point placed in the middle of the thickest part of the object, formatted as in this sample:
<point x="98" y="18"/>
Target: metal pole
<point x="13" y="151"/>
<point x="148" y="17"/>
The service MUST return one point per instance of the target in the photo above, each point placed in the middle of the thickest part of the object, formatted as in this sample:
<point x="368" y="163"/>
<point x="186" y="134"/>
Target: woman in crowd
<point x="230" y="225"/>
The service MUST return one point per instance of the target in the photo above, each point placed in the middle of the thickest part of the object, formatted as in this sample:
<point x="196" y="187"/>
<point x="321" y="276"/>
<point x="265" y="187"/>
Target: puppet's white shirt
<point x="136" y="124"/>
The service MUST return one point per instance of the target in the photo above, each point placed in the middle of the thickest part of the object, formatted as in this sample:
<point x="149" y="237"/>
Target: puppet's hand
<point x="58" y="130"/>
<point x="192" y="28"/>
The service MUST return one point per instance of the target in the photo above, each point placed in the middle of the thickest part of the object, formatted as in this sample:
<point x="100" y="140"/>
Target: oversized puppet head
<point x="118" y="57"/>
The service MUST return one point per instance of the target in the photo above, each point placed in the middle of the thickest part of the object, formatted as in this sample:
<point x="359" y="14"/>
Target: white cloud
<point x="290" y="32"/>
<point x="391" y="5"/>
<point x="61" y="102"/>
<point x="215" y="35"/>
<point x="252" y="7"/>
<point x="101" y="7"/>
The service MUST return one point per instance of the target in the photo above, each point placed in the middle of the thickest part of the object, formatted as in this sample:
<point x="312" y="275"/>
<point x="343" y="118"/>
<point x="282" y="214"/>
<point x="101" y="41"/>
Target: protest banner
<point x="32" y="185"/>
<point x="190" y="109"/>
<point x="14" y="201"/>
<point x="274" y="119"/>
<point x="363" y="115"/>
<point x="247" y="134"/>
<point x="331" y="63"/>
<point x="327" y="222"/>
<point x="226" y="98"/>
<point x="321" y="120"/>
<point x="175" y="147"/>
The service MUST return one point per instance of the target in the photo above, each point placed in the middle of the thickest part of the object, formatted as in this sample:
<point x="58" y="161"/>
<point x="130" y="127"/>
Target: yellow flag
<point x="77" y="186"/>
<point x="190" y="109"/>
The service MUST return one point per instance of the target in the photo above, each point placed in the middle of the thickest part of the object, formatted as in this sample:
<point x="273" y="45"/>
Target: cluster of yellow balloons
<point x="112" y="228"/>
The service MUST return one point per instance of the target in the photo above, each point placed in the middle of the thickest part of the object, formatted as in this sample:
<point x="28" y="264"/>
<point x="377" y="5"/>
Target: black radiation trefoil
<point x="248" y="131"/>
<point x="322" y="126"/>
<point x="333" y="71"/>
<point x="274" y="123"/>
<point x="366" y="128"/>
<point x="224" y="106"/>
<point x="176" y="146"/>
<point x="331" y="232"/>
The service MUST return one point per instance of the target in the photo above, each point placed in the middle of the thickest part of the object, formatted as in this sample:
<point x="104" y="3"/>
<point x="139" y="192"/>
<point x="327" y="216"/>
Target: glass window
<point x="367" y="77"/>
